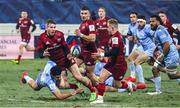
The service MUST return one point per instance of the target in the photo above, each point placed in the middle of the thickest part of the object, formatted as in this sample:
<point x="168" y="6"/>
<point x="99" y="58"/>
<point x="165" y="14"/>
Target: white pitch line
<point x="33" y="101"/>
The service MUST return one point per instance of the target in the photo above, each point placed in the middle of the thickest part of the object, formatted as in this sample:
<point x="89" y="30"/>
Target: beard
<point x="154" y="27"/>
<point x="141" y="27"/>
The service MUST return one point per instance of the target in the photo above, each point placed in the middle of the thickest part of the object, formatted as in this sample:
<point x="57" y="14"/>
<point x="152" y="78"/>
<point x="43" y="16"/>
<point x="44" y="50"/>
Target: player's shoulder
<point x="161" y="30"/>
<point x="168" y="22"/>
<point x="107" y="18"/>
<point x="117" y="35"/>
<point x="147" y="28"/>
<point x="59" y="33"/>
<point x="90" y="22"/>
<point x="19" y="19"/>
<point x="42" y="35"/>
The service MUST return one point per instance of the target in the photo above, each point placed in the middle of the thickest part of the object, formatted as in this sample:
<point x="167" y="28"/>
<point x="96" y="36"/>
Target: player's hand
<point x="95" y="55"/>
<point x="99" y="50"/>
<point x="135" y="40"/>
<point x="79" y="90"/>
<point x="77" y="32"/>
<point x="17" y="30"/>
<point x="46" y="53"/>
<point x="29" y="32"/>
<point x="160" y="57"/>
<point x="178" y="47"/>
<point x="70" y="56"/>
<point x="130" y="38"/>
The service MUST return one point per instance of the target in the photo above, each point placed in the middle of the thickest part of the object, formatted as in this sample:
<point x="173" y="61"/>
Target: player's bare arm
<point x="91" y="37"/>
<point x="62" y="96"/>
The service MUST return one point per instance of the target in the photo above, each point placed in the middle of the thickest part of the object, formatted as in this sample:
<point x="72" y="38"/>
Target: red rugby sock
<point x="124" y="84"/>
<point x="101" y="89"/>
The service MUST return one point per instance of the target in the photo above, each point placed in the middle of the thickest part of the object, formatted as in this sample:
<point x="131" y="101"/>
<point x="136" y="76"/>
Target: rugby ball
<point x="75" y="50"/>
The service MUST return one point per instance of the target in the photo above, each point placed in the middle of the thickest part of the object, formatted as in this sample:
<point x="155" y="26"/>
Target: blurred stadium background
<point x="66" y="14"/>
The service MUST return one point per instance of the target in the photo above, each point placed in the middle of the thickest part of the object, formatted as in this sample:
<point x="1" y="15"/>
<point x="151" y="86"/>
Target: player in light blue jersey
<point x="145" y="39"/>
<point x="132" y="32"/>
<point x="167" y="58"/>
<point x="50" y="78"/>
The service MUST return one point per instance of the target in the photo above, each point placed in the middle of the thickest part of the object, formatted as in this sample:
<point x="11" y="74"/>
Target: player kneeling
<point x="50" y="79"/>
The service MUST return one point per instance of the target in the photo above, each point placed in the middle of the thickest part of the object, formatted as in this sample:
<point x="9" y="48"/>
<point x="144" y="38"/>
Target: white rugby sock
<point x="139" y="71"/>
<point x="122" y="90"/>
<point x="27" y="78"/>
<point x="157" y="81"/>
<point x="132" y="69"/>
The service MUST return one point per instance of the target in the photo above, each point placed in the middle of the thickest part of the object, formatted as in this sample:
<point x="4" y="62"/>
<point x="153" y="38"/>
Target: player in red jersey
<point x="171" y="28"/>
<point x="51" y="43"/>
<point x="102" y="32"/>
<point x="117" y="65"/>
<point x="23" y="26"/>
<point x="101" y="28"/>
<point x="87" y="34"/>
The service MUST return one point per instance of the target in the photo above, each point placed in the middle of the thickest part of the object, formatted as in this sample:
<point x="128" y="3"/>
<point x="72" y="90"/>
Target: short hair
<point x="141" y="17"/>
<point x="50" y="21"/>
<point x="55" y="70"/>
<point x="162" y="12"/>
<point x="157" y="18"/>
<point x="134" y="13"/>
<point x="102" y="8"/>
<point x="113" y="22"/>
<point x="85" y="8"/>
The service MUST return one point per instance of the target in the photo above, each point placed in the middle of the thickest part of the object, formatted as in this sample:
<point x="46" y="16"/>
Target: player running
<point x="23" y="26"/>
<point x="51" y="43"/>
<point x="87" y="34"/>
<point x="117" y="65"/>
<point x="132" y="32"/>
<point x="145" y="39"/>
<point x="50" y="79"/>
<point x="101" y="29"/>
<point x="168" y="58"/>
<point x="171" y="28"/>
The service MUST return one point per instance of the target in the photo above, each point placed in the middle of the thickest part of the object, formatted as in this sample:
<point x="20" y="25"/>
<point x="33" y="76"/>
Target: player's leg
<point x="124" y="85"/>
<point x="63" y="83"/>
<point x="131" y="59"/>
<point x="29" y="80"/>
<point x="29" y="48"/>
<point x="157" y="81"/>
<point x="143" y="57"/>
<point x="91" y="75"/>
<point x="110" y="86"/>
<point x="77" y="75"/>
<point x="80" y="61"/>
<point x="21" y="50"/>
<point x="101" y="86"/>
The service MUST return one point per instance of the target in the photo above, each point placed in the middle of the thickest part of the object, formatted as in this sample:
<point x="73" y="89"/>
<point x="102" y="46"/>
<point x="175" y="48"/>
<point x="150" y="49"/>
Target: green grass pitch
<point x="14" y="94"/>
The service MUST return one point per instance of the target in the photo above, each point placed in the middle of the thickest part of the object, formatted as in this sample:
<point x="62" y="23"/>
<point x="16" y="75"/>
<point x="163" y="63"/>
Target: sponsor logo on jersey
<point x="59" y="39"/>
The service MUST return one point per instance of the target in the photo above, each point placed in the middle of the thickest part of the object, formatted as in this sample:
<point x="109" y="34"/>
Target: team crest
<point x="83" y="27"/>
<point x="104" y="23"/>
<point x="59" y="39"/>
<point x="115" y="40"/>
